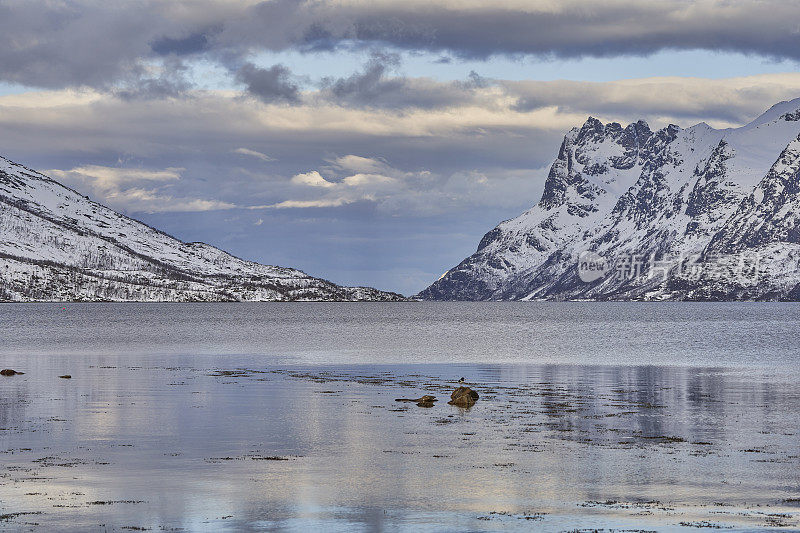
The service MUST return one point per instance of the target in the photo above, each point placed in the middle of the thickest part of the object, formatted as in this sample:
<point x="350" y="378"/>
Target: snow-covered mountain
<point x="675" y="214"/>
<point x="56" y="245"/>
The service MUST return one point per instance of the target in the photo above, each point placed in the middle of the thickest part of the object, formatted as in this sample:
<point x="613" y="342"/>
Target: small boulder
<point x="426" y="401"/>
<point x="463" y="397"/>
<point x="9" y="372"/>
<point x="65" y="376"/>
<point x="423" y="401"/>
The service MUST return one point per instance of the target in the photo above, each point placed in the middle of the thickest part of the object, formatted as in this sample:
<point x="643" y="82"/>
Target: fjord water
<point x="682" y="334"/>
<point x="663" y="416"/>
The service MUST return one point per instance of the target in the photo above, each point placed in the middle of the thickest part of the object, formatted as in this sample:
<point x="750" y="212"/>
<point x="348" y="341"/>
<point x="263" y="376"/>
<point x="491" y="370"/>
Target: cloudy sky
<point x="367" y="142"/>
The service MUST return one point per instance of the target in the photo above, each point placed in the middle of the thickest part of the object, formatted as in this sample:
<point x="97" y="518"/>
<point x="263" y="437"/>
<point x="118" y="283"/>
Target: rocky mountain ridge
<point x="672" y="214"/>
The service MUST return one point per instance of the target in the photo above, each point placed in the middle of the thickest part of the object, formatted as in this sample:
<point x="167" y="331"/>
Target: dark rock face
<point x="463" y="397"/>
<point x="792" y="117"/>
<point x="710" y="190"/>
<point x="770" y="214"/>
<point x="423" y="401"/>
<point x="676" y="213"/>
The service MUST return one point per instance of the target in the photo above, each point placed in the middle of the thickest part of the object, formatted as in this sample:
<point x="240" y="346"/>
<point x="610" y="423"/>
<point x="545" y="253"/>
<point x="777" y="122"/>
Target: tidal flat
<point x="192" y="446"/>
<point x="155" y="431"/>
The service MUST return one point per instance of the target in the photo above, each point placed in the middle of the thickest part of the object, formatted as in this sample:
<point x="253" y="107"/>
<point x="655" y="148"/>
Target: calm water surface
<point x="281" y="417"/>
<point x="684" y="334"/>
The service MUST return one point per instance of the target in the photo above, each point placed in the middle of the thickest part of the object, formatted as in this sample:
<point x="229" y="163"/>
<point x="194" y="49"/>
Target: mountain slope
<point x="56" y="245"/>
<point x="676" y="214"/>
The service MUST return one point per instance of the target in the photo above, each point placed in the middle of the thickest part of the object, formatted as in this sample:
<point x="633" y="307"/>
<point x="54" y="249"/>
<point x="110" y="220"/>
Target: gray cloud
<point x="378" y="85"/>
<point x="269" y="84"/>
<point x="569" y="28"/>
<point x="167" y="80"/>
<point x="684" y="100"/>
<point x="191" y="44"/>
<point x="499" y="127"/>
<point x="369" y="85"/>
<point x="97" y="44"/>
<point x="505" y="122"/>
<point x="71" y="44"/>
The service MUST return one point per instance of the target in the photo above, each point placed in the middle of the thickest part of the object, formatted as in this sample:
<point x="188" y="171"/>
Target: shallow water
<point x="282" y="417"/>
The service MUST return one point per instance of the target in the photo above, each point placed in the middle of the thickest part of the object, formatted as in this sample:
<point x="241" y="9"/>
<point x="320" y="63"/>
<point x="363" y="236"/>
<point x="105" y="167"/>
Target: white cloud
<point x="359" y="164"/>
<point x="289" y="204"/>
<point x="350" y="188"/>
<point x="122" y="188"/>
<point x="312" y="179"/>
<point x="253" y="153"/>
<point x="362" y="180"/>
<point x="149" y="201"/>
<point x="113" y="177"/>
<point x="422" y="191"/>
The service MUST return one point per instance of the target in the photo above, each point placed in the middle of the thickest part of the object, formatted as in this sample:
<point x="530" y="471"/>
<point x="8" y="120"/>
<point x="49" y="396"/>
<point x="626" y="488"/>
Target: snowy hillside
<point x="56" y="245"/>
<point x="699" y="214"/>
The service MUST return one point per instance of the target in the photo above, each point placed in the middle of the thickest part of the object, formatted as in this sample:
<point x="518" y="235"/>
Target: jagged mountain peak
<point x="625" y="192"/>
<point x="595" y="126"/>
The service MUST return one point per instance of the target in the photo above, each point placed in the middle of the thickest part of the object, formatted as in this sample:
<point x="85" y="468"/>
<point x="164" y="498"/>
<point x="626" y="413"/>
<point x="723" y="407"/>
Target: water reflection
<point x="13" y="403"/>
<point x="208" y="443"/>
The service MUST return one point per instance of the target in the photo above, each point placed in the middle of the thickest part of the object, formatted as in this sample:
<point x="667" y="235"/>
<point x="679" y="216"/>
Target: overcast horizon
<point x="365" y="143"/>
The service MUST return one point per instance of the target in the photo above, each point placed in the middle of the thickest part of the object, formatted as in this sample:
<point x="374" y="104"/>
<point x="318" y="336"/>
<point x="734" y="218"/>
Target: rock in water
<point x="65" y="376"/>
<point x="424" y="401"/>
<point x="463" y="397"/>
<point x="9" y="372"/>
